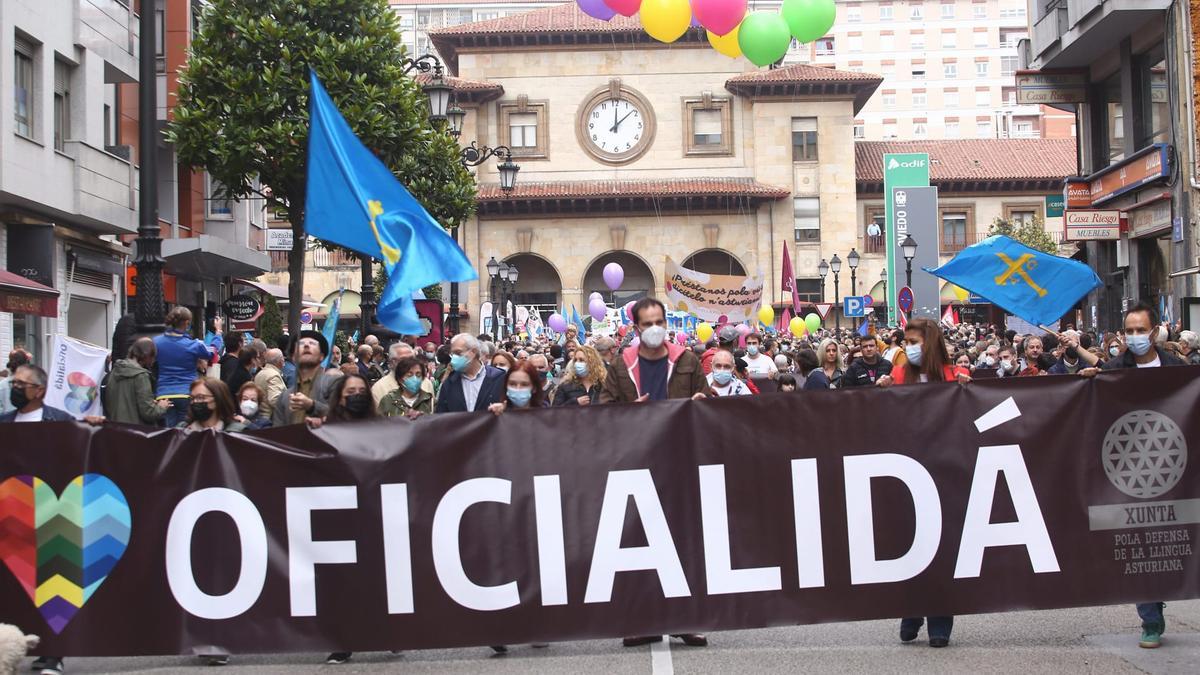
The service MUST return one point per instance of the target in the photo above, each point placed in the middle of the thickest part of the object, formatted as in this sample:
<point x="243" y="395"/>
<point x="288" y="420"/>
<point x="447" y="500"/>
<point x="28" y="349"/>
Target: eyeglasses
<point x="19" y="384"/>
<point x="202" y="399"/>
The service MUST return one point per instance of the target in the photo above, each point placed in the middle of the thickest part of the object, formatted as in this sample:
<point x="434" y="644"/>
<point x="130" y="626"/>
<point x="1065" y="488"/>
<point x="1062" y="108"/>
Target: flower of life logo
<point x="1144" y="454"/>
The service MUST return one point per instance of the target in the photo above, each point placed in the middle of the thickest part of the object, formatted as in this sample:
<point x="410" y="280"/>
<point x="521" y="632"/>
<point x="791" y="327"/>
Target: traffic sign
<point x="853" y="306"/>
<point x="868" y="301"/>
<point x="305" y="316"/>
<point x="904" y="299"/>
<point x="823" y="308"/>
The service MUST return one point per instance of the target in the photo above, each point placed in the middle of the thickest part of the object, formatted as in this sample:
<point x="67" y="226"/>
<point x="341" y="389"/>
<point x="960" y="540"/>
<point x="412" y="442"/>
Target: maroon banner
<point x="604" y="521"/>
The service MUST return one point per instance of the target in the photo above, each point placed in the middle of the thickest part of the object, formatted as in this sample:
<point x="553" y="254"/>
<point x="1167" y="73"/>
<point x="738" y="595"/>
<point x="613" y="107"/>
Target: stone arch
<point x="539" y="285"/>
<point x="715" y="261"/>
<point x="638" y="283"/>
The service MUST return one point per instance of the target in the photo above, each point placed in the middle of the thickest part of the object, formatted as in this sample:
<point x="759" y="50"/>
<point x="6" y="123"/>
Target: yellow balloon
<point x="666" y="20"/>
<point x="796" y="325"/>
<point x="961" y="293"/>
<point x="704" y="332"/>
<point x="726" y="44"/>
<point x="766" y="315"/>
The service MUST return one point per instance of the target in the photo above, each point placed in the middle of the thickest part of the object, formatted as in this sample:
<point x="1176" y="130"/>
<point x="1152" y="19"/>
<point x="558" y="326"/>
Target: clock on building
<point x="616" y="124"/>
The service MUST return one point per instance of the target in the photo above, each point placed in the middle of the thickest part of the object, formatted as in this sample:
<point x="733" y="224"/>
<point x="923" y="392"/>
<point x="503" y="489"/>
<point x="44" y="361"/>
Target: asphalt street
<point x="1085" y="640"/>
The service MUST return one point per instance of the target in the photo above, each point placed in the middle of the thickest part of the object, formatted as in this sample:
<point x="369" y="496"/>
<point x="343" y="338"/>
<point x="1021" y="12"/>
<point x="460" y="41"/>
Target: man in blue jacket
<point x="178" y="353"/>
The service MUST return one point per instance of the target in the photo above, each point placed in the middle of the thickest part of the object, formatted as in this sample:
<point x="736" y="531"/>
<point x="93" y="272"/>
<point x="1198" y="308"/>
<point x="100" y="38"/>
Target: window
<point x="62" y="104"/>
<point x="981" y="39"/>
<point x="108" y="126"/>
<point x="915" y="13"/>
<point x="950" y="70"/>
<point x="523" y="124"/>
<point x="825" y="46"/>
<point x="1154" y="97"/>
<point x="486" y="16"/>
<point x="873" y="241"/>
<point x="854" y="14"/>
<point x="708" y="126"/>
<point x="889" y="130"/>
<point x="23" y="92"/>
<point x="1009" y="94"/>
<point x="983" y="98"/>
<point x="887" y="43"/>
<point x="917" y="41"/>
<point x="954" y="231"/>
<point x="950" y="99"/>
<point x="807" y="214"/>
<point x="1114" y="121"/>
<point x="1010" y="38"/>
<point x="1021" y="215"/>
<point x="860" y="130"/>
<point x="947" y="10"/>
<point x="1012" y="12"/>
<point x="220" y="207"/>
<point x="160" y="54"/>
<point x="809" y="290"/>
<point x="979" y="11"/>
<point x="889" y="99"/>
<point x="981" y="69"/>
<point x="918" y="74"/>
<point x="949" y="40"/>
<point x="804" y="139"/>
<point x="885" y="12"/>
<point x="854" y="43"/>
<point x="919" y="100"/>
<point x="920" y="130"/>
<point x="1008" y="65"/>
<point x="951" y="129"/>
<point x="1023" y="129"/>
<point x="983" y="128"/>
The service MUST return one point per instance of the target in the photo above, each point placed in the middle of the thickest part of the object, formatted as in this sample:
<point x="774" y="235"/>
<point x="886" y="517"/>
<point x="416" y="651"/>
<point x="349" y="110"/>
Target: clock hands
<point x="615" y="122"/>
<point x="618" y="124"/>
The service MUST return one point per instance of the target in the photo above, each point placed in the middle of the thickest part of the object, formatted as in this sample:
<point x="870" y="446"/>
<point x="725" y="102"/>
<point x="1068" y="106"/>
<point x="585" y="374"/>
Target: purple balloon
<point x="614" y="274"/>
<point x="597" y="309"/>
<point x="597" y="9"/>
<point x="557" y="322"/>
<point x="596" y="295"/>
<point x="695" y="22"/>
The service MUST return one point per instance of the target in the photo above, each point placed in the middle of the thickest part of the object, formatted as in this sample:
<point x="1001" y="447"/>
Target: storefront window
<point x="1114" y="120"/>
<point x="27" y="335"/>
<point x="1156" y="124"/>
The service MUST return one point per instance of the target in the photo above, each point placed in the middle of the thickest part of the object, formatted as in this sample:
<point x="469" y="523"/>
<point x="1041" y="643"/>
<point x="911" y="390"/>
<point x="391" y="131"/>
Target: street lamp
<point x="493" y="270"/>
<point x="852" y="260"/>
<point x="822" y="270"/>
<point x="457" y="116"/>
<point x="883" y="278"/>
<point x="909" y="246"/>
<point x="473" y="155"/>
<point x="835" y="264"/>
<point x="509" y="319"/>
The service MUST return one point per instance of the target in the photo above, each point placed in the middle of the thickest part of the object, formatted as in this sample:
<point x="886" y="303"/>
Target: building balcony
<point x="105" y="188"/>
<point x="1074" y="33"/>
<point x="109" y="29"/>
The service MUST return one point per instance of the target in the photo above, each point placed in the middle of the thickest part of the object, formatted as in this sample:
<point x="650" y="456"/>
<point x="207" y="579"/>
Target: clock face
<point x="615" y="127"/>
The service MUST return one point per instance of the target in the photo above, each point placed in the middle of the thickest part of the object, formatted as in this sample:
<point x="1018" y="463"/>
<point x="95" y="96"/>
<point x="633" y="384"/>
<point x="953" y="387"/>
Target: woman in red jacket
<point x="928" y="361"/>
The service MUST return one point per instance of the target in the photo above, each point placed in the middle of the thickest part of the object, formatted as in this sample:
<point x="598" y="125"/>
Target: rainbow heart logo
<point x="62" y="547"/>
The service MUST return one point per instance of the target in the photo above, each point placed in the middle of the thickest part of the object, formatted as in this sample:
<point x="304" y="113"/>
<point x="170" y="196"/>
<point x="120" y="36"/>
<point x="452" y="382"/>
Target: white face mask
<point x="249" y="408"/>
<point x="654" y="336"/>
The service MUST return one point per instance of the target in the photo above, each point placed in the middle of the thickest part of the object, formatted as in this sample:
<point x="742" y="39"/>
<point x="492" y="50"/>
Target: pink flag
<point x="948" y="316"/>
<point x="789" y="280"/>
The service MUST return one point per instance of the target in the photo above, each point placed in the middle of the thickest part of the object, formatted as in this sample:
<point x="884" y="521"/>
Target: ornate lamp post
<point x="909" y="246"/>
<point x="493" y="270"/>
<point x="883" y="278"/>
<point x="510" y="318"/>
<point x="822" y="270"/>
<point x="149" y="308"/>
<point x="835" y="264"/>
<point x="852" y="261"/>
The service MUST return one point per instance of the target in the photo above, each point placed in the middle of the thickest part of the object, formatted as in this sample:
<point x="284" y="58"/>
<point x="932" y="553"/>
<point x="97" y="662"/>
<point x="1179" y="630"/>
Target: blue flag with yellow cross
<point x="1038" y="287"/>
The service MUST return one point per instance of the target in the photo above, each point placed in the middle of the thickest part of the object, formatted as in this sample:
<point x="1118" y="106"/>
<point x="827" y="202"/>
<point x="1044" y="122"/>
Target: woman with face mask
<point x="409" y="399"/>
<point x="583" y="379"/>
<point x="252" y="411"/>
<point x="504" y="361"/>
<point x="350" y="400"/>
<point x="211" y="407"/>
<point x="522" y="390"/>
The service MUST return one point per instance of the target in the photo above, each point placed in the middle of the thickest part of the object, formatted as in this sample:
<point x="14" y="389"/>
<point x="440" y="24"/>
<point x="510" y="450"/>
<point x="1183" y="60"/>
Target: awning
<point x="19" y="295"/>
<point x="1195" y="269"/>
<point x="208" y="257"/>
<point x="277" y="291"/>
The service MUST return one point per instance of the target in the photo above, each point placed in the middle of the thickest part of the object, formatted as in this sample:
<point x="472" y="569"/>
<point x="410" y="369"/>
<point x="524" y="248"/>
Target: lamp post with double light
<point x="822" y="271"/>
<point x="835" y="264"/>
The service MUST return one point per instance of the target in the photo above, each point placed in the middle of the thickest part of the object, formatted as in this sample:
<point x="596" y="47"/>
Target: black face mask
<point x="358" y="404"/>
<point x="201" y="412"/>
<point x="18" y="398"/>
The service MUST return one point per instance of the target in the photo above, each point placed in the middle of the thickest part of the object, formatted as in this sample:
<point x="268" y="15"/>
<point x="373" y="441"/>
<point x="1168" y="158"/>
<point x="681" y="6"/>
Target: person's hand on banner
<point x="584" y="400"/>
<point x="699" y="396"/>
<point x="94" y="420"/>
<point x="884" y="381"/>
<point x="413" y="414"/>
<point x="314" y="422"/>
<point x="642" y="399"/>
<point x="1089" y="372"/>
<point x="497" y="409"/>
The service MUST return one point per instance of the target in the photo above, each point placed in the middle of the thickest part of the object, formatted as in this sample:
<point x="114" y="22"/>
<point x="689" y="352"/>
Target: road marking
<point x="660" y="657"/>
<point x="1005" y="412"/>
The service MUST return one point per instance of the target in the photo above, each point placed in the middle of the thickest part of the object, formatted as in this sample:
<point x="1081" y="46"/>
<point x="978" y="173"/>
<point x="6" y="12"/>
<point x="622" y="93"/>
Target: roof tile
<point x="800" y="73"/>
<point x="975" y="159"/>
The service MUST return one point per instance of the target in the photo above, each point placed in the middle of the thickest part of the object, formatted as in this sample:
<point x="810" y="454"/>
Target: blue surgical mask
<point x="722" y="377"/>
<point x="913" y="352"/>
<point x="520" y="397"/>
<point x="581" y="369"/>
<point x="459" y="362"/>
<point x="752" y="350"/>
<point x="1138" y="344"/>
<point x="412" y="383"/>
<point x="1114" y="350"/>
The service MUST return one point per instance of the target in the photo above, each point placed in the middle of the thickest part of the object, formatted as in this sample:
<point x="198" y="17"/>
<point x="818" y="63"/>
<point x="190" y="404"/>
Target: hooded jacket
<point x="129" y="396"/>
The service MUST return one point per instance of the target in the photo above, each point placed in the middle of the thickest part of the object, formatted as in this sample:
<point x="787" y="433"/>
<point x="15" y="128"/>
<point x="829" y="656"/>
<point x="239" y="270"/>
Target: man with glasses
<point x="28" y="391"/>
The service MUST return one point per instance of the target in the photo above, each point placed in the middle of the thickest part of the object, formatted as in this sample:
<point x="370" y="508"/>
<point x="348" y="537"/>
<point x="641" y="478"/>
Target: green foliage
<point x="433" y="292"/>
<point x="243" y="105"/>
<point x="342" y="342"/>
<point x="1032" y="234"/>
<point x="270" y="324"/>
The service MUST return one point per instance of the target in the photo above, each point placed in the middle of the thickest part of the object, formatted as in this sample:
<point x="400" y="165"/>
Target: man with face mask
<point x="656" y="370"/>
<point x="548" y="385"/>
<point x="722" y="379"/>
<point x="1141" y="325"/>
<point x="27" y="394"/>
<point x="473" y="385"/>
<point x="129" y="396"/>
<point x="1009" y="366"/>
<point x="310" y="395"/>
<point x="758" y="363"/>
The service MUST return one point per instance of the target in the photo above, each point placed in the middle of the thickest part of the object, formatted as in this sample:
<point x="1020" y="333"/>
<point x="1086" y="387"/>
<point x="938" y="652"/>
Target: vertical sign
<point x="915" y="212"/>
<point x="899" y="170"/>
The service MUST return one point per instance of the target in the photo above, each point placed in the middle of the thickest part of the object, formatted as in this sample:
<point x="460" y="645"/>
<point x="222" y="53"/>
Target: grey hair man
<point x="473" y="385"/>
<point x="269" y="377"/>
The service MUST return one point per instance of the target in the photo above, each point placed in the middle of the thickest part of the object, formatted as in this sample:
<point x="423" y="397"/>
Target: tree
<point x="243" y="107"/>
<point x="1033" y="233"/>
<point x="270" y="324"/>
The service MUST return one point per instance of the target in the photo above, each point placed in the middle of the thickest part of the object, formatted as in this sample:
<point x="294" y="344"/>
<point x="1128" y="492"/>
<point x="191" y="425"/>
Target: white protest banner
<point x="716" y="298"/>
<point x="76" y="369"/>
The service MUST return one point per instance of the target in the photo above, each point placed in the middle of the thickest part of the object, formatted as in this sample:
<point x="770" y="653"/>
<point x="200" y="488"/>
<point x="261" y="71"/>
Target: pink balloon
<point x="718" y="16"/>
<point x="624" y="7"/>
<point x="743" y="329"/>
<point x="614" y="274"/>
<point x="681" y="338"/>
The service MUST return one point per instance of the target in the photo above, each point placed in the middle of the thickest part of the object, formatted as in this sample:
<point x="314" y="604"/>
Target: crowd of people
<point x="168" y="380"/>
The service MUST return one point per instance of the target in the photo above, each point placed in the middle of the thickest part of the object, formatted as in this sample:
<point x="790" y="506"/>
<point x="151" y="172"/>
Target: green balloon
<point x="809" y="19"/>
<point x="812" y="322"/>
<point x="764" y="37"/>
